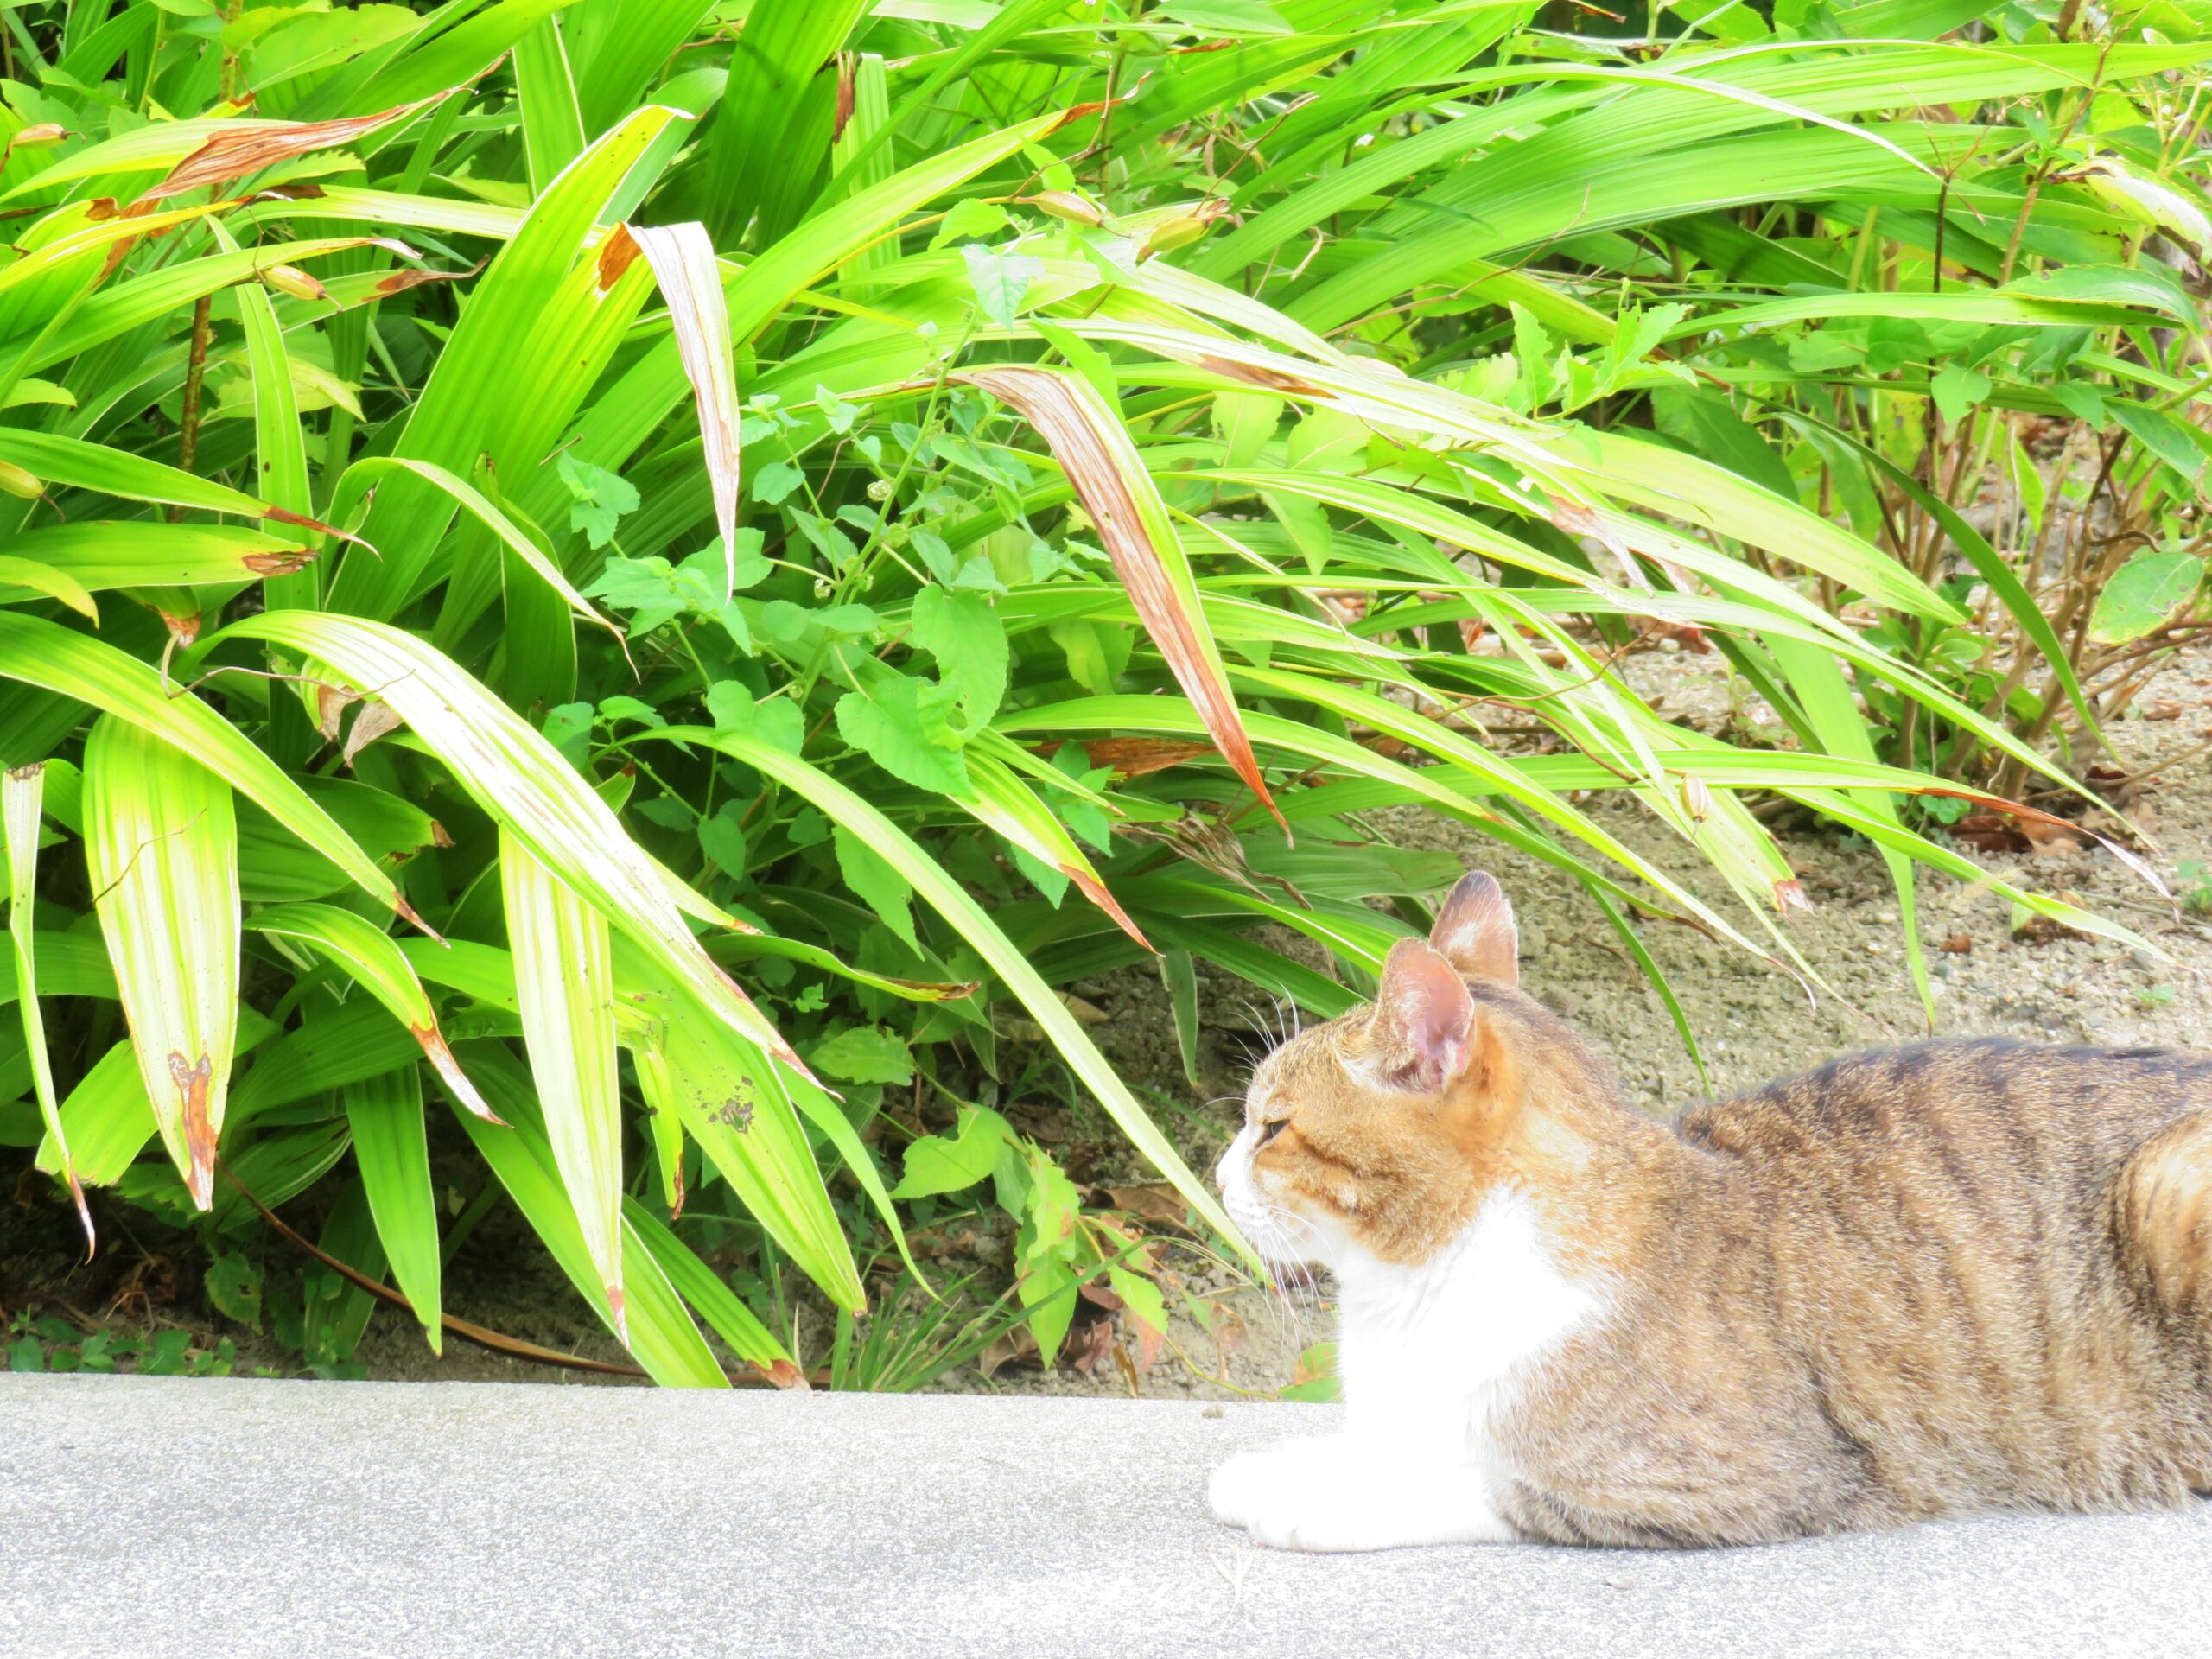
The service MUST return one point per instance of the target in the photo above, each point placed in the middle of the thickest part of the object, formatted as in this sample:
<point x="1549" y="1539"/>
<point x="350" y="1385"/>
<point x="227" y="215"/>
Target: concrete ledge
<point x="143" y="1515"/>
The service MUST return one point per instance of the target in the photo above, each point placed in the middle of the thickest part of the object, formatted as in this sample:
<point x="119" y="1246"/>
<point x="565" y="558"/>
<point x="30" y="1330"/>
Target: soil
<point x="1757" y="1024"/>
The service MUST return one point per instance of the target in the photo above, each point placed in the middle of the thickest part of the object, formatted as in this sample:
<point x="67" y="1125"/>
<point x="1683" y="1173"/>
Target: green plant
<point x="46" y="1342"/>
<point x="601" y="507"/>
<point x="2193" y="886"/>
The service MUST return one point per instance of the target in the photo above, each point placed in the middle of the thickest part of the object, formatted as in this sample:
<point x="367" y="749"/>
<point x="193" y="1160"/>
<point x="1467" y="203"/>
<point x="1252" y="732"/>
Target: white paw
<point x="1255" y="1483"/>
<point x="1325" y="1495"/>
<point x="1318" y="1522"/>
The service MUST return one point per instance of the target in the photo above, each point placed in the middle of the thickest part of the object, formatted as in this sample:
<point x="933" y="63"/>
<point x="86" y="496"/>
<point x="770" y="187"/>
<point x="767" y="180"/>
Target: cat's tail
<point x="2162" y="1223"/>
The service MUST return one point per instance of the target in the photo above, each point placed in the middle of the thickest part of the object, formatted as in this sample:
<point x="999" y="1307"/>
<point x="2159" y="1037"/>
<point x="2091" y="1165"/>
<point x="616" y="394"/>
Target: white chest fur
<point x="1429" y="1357"/>
<point x="1433" y="1353"/>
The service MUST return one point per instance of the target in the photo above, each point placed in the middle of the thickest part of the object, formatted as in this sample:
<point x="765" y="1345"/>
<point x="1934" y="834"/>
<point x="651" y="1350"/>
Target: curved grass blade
<point x="160" y="846"/>
<point x="109" y="1119"/>
<point x="691" y="281"/>
<point x="391" y="1145"/>
<point x="1007" y="805"/>
<point x="841" y="805"/>
<point x="521" y="781"/>
<point x="1093" y="448"/>
<point x="375" y="962"/>
<point x="717" y="1085"/>
<point x="661" y="1334"/>
<point x="21" y="792"/>
<point x="712" y="1299"/>
<point x="29" y="576"/>
<point x="564" y="990"/>
<point x="99" y="555"/>
<point x="486" y="513"/>
<point x="44" y="654"/>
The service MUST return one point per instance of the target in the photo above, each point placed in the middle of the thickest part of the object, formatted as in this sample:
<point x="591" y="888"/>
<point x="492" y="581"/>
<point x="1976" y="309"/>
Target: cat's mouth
<point x="1282" y="1237"/>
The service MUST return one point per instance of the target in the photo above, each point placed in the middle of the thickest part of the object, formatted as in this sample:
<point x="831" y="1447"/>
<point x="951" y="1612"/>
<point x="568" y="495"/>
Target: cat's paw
<point x="1319" y="1521"/>
<point x="1327" y="1495"/>
<point x="1255" y="1483"/>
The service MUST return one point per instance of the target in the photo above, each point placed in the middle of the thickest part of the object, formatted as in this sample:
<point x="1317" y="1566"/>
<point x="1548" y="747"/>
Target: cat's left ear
<point x="1475" y="930"/>
<point x="1424" y="1020"/>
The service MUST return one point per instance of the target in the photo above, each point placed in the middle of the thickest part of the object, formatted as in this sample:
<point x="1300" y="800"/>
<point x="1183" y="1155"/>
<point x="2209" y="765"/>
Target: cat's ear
<point x="1474" y="930"/>
<point x="1424" y="1020"/>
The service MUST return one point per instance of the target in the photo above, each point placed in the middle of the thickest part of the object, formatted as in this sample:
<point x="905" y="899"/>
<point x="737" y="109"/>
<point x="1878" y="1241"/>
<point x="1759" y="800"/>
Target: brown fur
<point x="1960" y="1276"/>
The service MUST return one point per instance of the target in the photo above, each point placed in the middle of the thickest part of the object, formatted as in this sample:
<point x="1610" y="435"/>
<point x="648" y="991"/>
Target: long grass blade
<point x="564" y="986"/>
<point x="1116" y="490"/>
<point x="22" y="789"/>
<point x="160" y="846"/>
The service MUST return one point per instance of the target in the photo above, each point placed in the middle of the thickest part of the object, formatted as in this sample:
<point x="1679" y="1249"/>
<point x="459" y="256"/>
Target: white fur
<point x="1429" y="1357"/>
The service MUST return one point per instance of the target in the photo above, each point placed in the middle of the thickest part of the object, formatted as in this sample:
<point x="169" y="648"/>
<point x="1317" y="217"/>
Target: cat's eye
<point x="1269" y="1128"/>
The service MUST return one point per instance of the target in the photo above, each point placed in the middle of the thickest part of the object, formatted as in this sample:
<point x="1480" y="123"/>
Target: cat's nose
<point x="1225" y="1166"/>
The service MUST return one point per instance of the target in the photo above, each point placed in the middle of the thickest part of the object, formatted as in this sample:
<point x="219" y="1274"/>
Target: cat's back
<point x="1962" y="1241"/>
<point x="1985" y="1114"/>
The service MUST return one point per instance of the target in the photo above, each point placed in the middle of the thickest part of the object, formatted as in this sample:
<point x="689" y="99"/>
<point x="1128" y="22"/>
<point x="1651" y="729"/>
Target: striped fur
<point x="1952" y="1278"/>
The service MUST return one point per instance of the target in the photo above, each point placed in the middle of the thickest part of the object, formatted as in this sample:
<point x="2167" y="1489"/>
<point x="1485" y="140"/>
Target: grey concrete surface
<point x="140" y="1516"/>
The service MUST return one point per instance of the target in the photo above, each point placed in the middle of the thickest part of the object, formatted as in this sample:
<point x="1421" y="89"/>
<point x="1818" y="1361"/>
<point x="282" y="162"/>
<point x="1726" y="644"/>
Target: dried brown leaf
<point x="1116" y="490"/>
<point x="1151" y="1201"/>
<point x="233" y="153"/>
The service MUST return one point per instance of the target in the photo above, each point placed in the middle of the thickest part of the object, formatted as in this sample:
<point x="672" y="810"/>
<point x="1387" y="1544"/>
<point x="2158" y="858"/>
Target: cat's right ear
<point x="1475" y="930"/>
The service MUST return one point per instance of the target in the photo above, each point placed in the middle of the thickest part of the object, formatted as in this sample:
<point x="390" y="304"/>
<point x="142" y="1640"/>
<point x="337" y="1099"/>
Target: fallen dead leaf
<point x="1150" y="1201"/>
<point x="1088" y="1344"/>
<point x="1015" y="1346"/>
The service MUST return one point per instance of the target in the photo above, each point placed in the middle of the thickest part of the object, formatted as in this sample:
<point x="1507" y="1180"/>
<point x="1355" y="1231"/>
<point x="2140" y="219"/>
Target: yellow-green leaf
<point x="21" y="791"/>
<point x="564" y="988"/>
<point x="161" y="845"/>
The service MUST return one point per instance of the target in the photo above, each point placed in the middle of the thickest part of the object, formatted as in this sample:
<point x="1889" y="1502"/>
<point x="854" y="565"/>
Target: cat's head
<point x="1379" y="1133"/>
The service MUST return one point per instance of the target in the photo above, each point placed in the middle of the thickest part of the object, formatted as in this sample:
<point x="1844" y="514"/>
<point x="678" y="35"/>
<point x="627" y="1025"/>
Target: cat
<point x="1962" y="1276"/>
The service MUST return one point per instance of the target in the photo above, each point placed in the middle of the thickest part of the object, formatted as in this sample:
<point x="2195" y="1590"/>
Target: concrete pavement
<point x="145" y="1515"/>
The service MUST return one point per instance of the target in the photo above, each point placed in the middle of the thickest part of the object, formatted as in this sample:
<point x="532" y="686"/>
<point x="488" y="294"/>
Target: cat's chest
<point x="1433" y="1352"/>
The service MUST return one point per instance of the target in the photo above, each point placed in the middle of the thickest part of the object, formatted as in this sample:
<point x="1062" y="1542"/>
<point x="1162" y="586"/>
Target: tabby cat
<point x="1959" y="1277"/>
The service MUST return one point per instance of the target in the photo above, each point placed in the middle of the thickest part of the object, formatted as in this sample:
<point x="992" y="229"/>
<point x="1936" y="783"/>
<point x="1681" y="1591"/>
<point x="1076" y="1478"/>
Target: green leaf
<point x="776" y="482"/>
<point x="733" y="708"/>
<point x="1957" y="390"/>
<point x="864" y="1054"/>
<point x="2143" y="593"/>
<point x="2162" y="436"/>
<point x="600" y="498"/>
<point x="937" y="1163"/>
<point x="1000" y="279"/>
<point x="970" y="219"/>
<point x="1045" y="1253"/>
<point x="721" y="838"/>
<point x="964" y="634"/>
<point x="904" y="725"/>
<point x="234" y="1288"/>
<point x="885" y="892"/>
